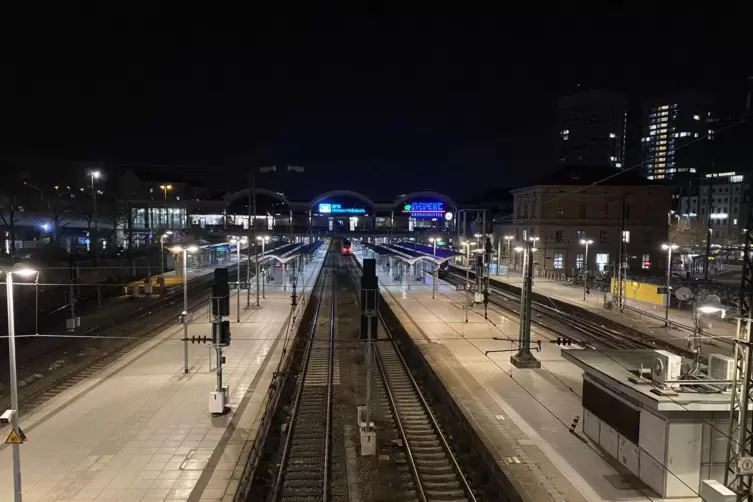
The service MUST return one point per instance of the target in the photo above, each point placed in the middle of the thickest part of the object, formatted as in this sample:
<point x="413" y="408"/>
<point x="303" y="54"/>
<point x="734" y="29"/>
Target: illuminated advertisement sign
<point x="328" y="208"/>
<point x="424" y="209"/>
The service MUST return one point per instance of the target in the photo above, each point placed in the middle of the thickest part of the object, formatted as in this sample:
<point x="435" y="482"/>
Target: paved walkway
<point x="140" y="430"/>
<point x="522" y="415"/>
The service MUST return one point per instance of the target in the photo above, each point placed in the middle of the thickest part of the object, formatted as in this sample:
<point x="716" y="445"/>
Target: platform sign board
<point x="745" y="466"/>
<point x="424" y="209"/>
<point x="331" y="208"/>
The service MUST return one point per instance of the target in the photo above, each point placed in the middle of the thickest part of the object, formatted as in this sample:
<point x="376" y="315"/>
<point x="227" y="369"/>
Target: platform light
<point x="712" y="308"/>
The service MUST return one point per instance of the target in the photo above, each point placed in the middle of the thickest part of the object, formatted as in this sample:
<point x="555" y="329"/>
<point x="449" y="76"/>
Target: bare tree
<point x="9" y="206"/>
<point x="688" y="233"/>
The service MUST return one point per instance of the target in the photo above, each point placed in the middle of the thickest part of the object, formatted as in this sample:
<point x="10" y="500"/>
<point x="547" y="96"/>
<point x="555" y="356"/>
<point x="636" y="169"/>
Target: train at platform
<point x="345" y="245"/>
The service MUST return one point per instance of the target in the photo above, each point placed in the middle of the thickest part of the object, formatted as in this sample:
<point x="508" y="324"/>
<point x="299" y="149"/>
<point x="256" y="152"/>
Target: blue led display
<point x="327" y="208"/>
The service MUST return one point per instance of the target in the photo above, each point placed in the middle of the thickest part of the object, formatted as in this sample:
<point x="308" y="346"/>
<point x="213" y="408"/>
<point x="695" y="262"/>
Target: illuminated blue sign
<point x="424" y="209"/>
<point x="327" y="208"/>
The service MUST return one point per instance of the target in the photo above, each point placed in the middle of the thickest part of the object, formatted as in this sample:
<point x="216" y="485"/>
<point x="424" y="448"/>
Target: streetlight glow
<point x="584" y="241"/>
<point x="667" y="246"/>
<point x="95" y="174"/>
<point x="22" y="270"/>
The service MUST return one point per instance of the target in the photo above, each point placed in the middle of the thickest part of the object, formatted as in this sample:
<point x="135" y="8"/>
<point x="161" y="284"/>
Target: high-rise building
<point x="677" y="137"/>
<point x="592" y="127"/>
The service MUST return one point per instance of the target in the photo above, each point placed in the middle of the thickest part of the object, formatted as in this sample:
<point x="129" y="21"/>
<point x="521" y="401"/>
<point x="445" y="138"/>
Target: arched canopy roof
<point x="342" y="193"/>
<point x="426" y="194"/>
<point x="232" y="197"/>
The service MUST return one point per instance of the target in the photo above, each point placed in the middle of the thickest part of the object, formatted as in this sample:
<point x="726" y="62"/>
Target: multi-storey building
<point x="592" y="129"/>
<point x="566" y="208"/>
<point x="677" y="135"/>
<point x="720" y="200"/>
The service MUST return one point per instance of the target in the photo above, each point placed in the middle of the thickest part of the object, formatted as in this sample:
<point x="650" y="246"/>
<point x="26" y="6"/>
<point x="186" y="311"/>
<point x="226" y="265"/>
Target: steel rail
<point x="448" y="451"/>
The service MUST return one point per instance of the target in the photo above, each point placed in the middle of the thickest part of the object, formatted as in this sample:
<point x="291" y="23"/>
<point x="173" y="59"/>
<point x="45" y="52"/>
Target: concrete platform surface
<point x="140" y="429"/>
<point x="523" y="415"/>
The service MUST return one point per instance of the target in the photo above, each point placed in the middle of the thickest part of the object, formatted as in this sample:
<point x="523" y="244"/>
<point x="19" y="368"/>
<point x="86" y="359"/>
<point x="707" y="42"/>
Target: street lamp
<point x="162" y="240"/>
<point x="22" y="271"/>
<point x="185" y="251"/>
<point x="435" y="275"/>
<point x="238" y="243"/>
<point x="165" y="188"/>
<point x="509" y="239"/>
<point x="262" y="239"/>
<point x="95" y="176"/>
<point x="585" y="242"/>
<point x="668" y="248"/>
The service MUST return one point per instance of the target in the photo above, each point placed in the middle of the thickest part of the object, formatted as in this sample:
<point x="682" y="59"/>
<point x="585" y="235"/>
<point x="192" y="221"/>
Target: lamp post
<point x="707" y="308"/>
<point x="237" y="243"/>
<point x="94" y="176"/>
<point x="585" y="242"/>
<point x="509" y="239"/>
<point x="668" y="248"/>
<point x="24" y="272"/>
<point x="162" y="240"/>
<point x="165" y="188"/>
<point x="435" y="275"/>
<point x="261" y="239"/>
<point x="185" y="251"/>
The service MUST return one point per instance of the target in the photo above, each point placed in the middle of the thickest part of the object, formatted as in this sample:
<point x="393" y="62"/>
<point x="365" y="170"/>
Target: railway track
<point x="307" y="469"/>
<point x="570" y="326"/>
<point x="434" y="468"/>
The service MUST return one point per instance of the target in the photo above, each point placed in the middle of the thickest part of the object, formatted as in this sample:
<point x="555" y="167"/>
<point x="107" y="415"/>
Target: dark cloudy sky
<point x="375" y="100"/>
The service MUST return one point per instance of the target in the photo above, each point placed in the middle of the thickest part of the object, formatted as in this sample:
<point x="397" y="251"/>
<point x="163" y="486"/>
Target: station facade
<point x="333" y="212"/>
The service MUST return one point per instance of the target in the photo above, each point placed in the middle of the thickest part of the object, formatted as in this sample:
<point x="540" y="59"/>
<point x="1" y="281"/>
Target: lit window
<point x="559" y="260"/>
<point x="696" y="117"/>
<point x="736" y="179"/>
<point x="613" y="159"/>
<point x="734" y="222"/>
<point x="696" y="135"/>
<point x="579" y="260"/>
<point x="612" y="135"/>
<point x="645" y="262"/>
<point x="618" y="164"/>
<point x="602" y="261"/>
<point x="626" y="236"/>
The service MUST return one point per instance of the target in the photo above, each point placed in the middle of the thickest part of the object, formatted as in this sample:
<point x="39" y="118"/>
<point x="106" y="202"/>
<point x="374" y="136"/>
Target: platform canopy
<point x="406" y="255"/>
<point x="416" y="249"/>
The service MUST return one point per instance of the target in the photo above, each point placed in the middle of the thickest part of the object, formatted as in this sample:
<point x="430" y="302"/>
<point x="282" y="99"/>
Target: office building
<point x="720" y="199"/>
<point x="592" y="128"/>
<point x="677" y="136"/>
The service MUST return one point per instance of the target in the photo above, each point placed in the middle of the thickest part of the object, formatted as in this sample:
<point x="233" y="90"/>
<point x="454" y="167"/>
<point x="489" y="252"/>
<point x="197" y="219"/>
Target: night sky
<point x="378" y="101"/>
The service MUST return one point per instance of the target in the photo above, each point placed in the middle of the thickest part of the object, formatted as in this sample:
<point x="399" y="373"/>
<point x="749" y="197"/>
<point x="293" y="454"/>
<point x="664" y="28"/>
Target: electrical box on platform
<point x="217" y="402"/>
